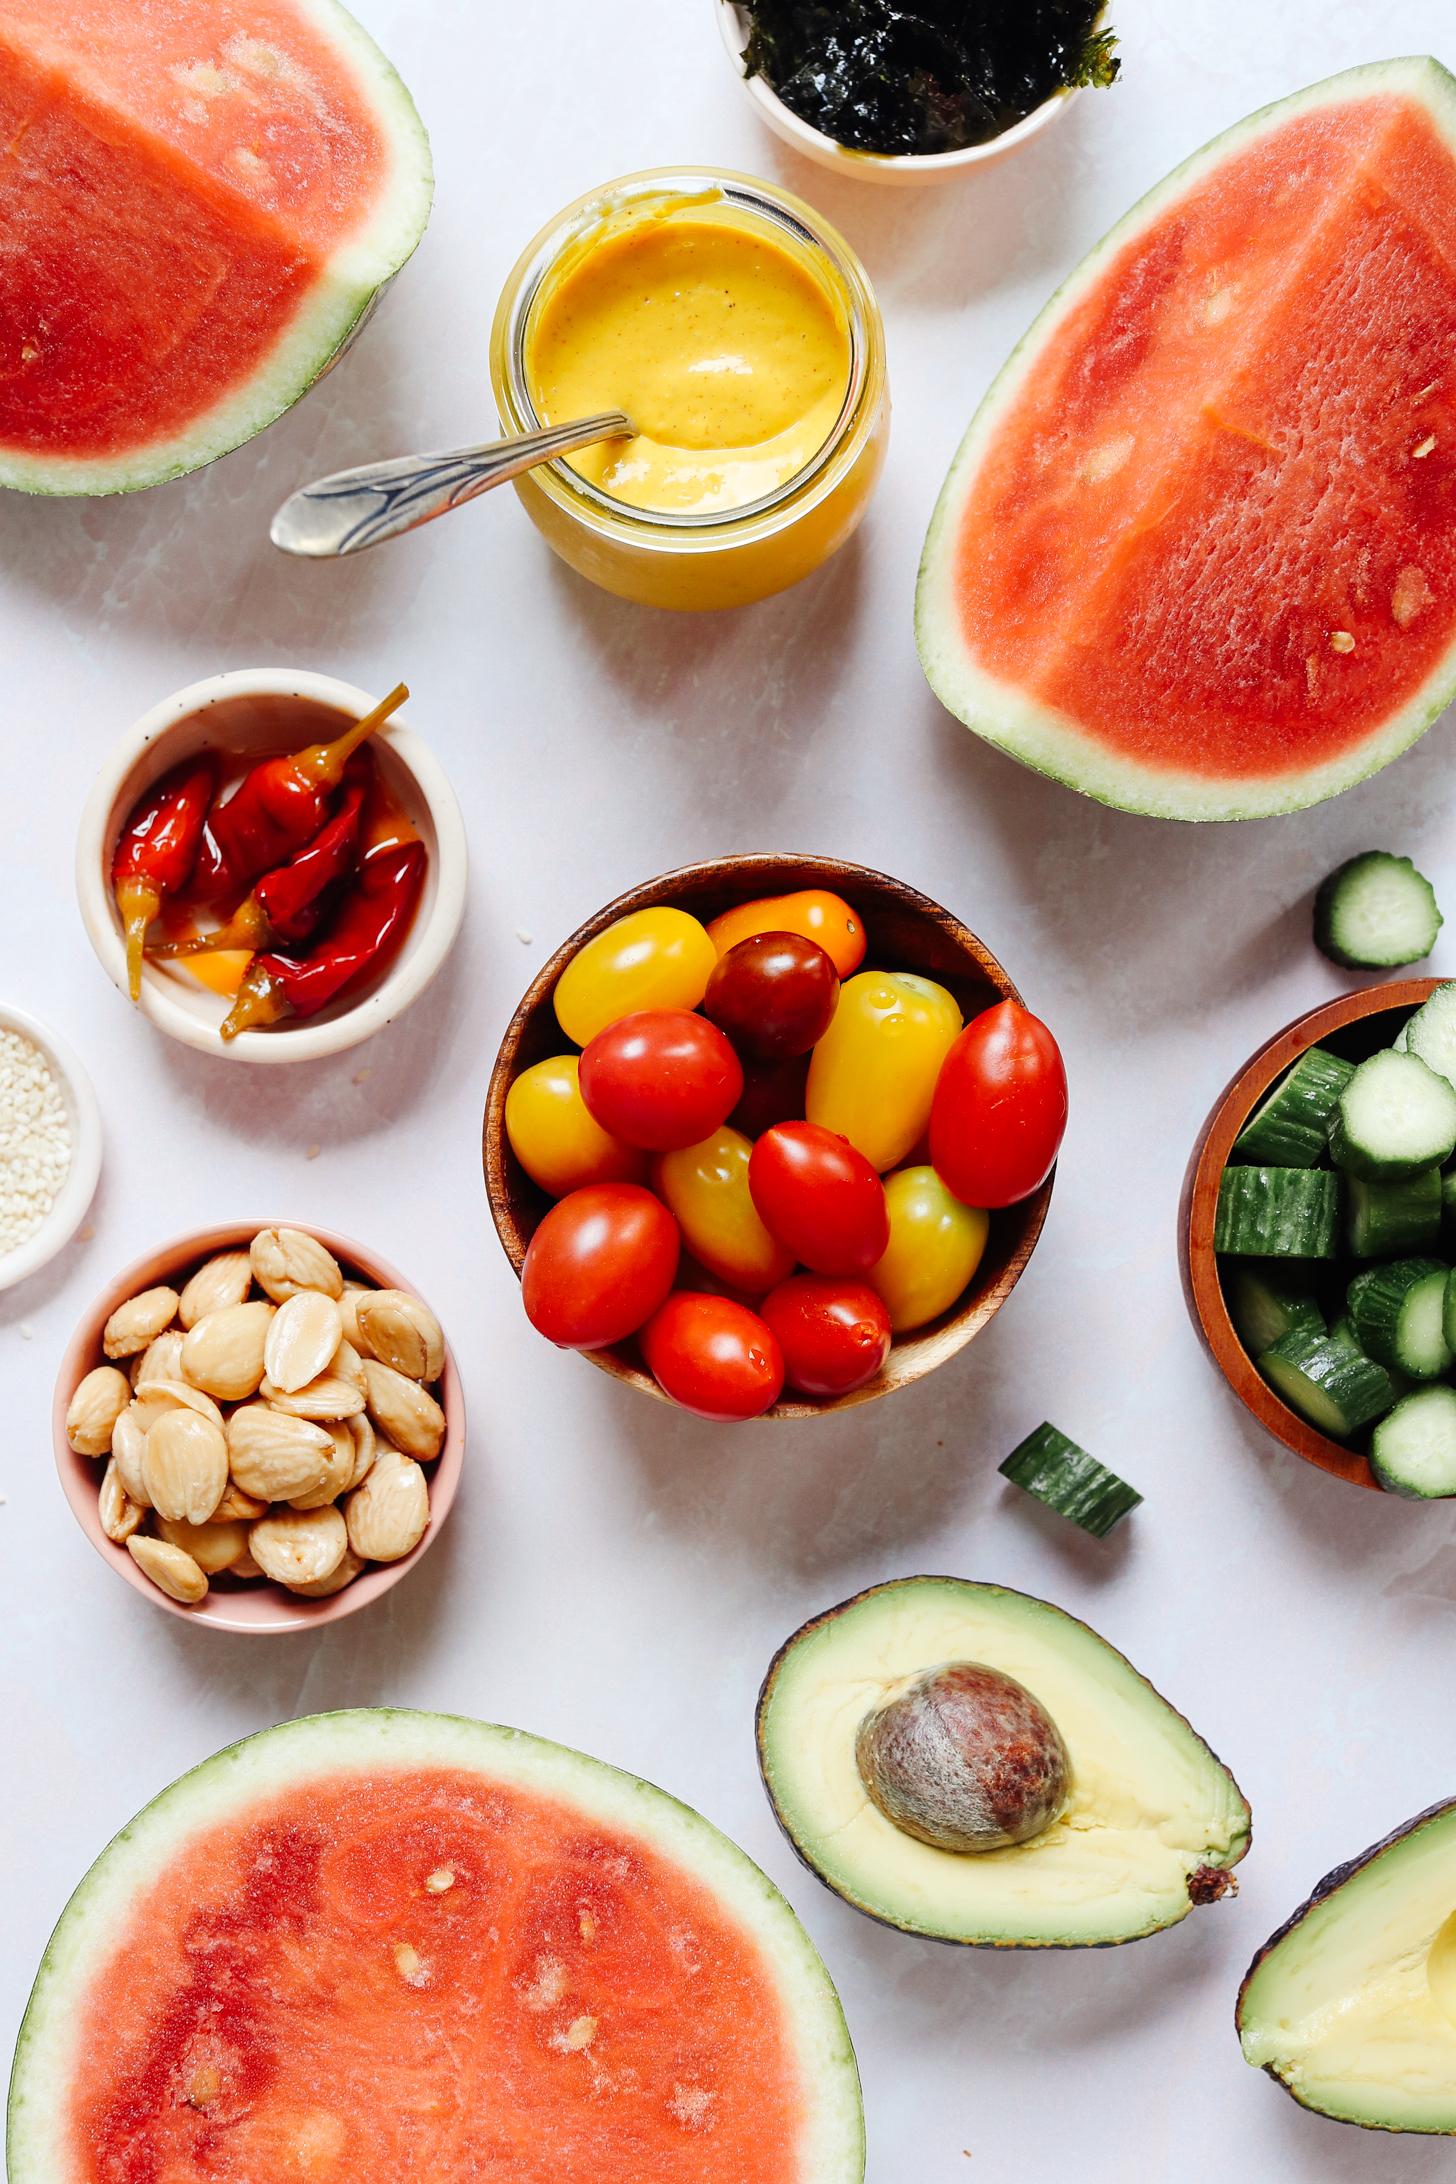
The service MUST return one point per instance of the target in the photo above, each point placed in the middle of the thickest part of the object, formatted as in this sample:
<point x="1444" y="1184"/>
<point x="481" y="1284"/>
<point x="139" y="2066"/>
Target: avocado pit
<point x="965" y="1758"/>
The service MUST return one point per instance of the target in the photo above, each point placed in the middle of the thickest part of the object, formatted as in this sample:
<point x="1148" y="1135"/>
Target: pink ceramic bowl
<point x="258" y="1607"/>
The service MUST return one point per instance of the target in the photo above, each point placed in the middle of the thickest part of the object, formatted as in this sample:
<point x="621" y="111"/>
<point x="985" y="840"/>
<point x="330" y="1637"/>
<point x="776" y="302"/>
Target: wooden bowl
<point x="905" y="931"/>
<point x="1351" y="1025"/>
<point x="256" y="1609"/>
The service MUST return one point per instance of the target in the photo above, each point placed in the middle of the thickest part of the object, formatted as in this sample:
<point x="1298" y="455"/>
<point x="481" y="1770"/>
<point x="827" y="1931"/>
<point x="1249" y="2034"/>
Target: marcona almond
<point x="159" y="1396"/>
<point x="244" y="1567"/>
<point x="223" y="1353"/>
<point x="218" y="1282"/>
<point x="302" y="1337"/>
<point x="185" y="1466"/>
<point x="353" y="1296"/>
<point x="137" y="1322"/>
<point x="327" y="1399"/>
<point x="400" y="1331"/>
<point x="171" y="1569"/>
<point x="347" y="1363"/>
<point x="336" y="1479"/>
<point x="361" y="1433"/>
<point x="160" y="1360"/>
<point x="120" y="1515"/>
<point x="235" y="1503"/>
<point x="403" y="1411"/>
<point x="322" y="1587"/>
<point x="128" y="1446"/>
<point x="93" y="1410"/>
<point x="388" y="1514"/>
<point x="299" y="1546"/>
<point x="286" y="1260"/>
<point x="274" y="1456"/>
<point x="213" y="1547"/>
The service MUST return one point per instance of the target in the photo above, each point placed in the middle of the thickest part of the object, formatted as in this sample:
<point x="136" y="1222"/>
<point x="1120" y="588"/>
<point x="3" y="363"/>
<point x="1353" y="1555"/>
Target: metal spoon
<point x="353" y="509"/>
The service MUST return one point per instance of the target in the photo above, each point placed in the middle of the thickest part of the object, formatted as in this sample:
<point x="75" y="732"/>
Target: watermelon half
<point x="199" y="201"/>
<point x="1196" y="555"/>
<point x="371" y="1946"/>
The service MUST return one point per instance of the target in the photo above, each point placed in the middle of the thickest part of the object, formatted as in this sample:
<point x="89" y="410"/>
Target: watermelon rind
<point x="1051" y="741"/>
<point x="380" y="1738"/>
<point x="358" y="272"/>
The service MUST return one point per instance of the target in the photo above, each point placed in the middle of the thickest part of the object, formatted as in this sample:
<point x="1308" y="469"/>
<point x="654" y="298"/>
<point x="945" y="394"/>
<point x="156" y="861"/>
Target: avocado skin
<point x="1331" y="1885"/>
<point x="1201" y="1889"/>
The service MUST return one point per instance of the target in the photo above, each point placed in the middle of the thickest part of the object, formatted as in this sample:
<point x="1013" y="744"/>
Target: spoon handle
<point x="352" y="509"/>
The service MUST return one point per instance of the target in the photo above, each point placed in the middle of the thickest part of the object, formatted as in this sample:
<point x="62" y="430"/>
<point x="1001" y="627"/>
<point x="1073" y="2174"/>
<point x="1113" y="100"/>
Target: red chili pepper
<point x="156" y="851"/>
<point x="362" y="939"/>
<point x="282" y="803"/>
<point x="287" y="905"/>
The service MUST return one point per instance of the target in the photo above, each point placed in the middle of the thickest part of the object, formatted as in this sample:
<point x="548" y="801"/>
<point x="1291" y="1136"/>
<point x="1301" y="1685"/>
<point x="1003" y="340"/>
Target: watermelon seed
<point x="586" y="1925"/>
<point x="1425" y="447"/>
<point x="204" y="2086"/>
<point x="579" y="2034"/>
<point x="410" y="1965"/>
<point x="442" y="1878"/>
<point x="1341" y="641"/>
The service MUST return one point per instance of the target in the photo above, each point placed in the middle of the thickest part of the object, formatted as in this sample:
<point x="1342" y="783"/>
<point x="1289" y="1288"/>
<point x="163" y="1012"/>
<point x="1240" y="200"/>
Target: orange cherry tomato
<point x="706" y="1187"/>
<point x="555" y="1136"/>
<point x="814" y="913"/>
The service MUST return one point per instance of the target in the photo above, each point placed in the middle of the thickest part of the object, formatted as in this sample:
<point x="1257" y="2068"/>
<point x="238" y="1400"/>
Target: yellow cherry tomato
<point x="557" y="1140"/>
<point x="651" y="959"/>
<point x="935" y="1247"/>
<point x="706" y="1187"/>
<point x="872" y="1077"/>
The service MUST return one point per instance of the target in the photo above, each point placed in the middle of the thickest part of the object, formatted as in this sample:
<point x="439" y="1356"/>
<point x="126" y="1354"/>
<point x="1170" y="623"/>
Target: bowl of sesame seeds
<point x="50" y="1144"/>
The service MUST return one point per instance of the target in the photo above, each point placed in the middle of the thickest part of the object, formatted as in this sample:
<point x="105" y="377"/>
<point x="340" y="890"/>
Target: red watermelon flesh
<point x="199" y="200"/>
<point x="1209" y="528"/>
<point x="419" y="1973"/>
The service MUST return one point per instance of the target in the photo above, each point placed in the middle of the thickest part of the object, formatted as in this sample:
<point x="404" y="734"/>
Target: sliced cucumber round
<point x="1264" y="1306"/>
<point x="1394" y="1117"/>
<point x="1328" y="1381"/>
<point x="1413" y="1450"/>
<point x="1431" y="1032"/>
<point x="1386" y="1220"/>
<point x="1277" y="1213"/>
<point x="1376" y="911"/>
<point x="1398" y="1314"/>
<point x="1056" y="1471"/>
<point x="1291" y="1126"/>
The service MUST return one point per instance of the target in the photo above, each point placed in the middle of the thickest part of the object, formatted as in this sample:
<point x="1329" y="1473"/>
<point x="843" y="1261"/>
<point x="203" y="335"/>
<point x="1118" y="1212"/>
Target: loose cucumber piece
<point x="1431" y="1032"/>
<point x="1277" y="1213"/>
<point x="1413" y="1450"/>
<point x="1385" y="1220"/>
<point x="1056" y="1471"/>
<point x="1328" y="1381"/>
<point x="1263" y="1306"/>
<point x="1291" y="1128"/>
<point x="1394" y="1117"/>
<point x="1376" y="911"/>
<point x="1398" y="1314"/>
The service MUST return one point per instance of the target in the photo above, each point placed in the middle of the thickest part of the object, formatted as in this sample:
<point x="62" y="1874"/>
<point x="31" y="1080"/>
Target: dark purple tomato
<point x="772" y="1092"/>
<point x="773" y="994"/>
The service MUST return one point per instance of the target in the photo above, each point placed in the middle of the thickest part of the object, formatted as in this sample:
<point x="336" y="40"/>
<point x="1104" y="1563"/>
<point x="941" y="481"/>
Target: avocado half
<point x="1351" y="2005"/>
<point x="1153" y="1822"/>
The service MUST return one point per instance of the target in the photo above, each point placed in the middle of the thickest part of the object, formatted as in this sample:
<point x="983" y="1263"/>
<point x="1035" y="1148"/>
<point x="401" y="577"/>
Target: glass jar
<point x="724" y="558"/>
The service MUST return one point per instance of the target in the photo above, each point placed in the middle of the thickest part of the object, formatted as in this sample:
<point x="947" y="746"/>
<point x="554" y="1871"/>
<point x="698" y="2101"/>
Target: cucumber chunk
<point x="1431" y="1032"/>
<point x="1291" y="1126"/>
<point x="1328" y="1381"/>
<point x="1263" y="1306"/>
<point x="1398" y="1314"/>
<point x="1413" y="1450"/>
<point x="1386" y="1220"/>
<point x="1277" y="1213"/>
<point x="1400" y="1384"/>
<point x="1394" y="1117"/>
<point x="1056" y="1471"/>
<point x="1376" y="911"/>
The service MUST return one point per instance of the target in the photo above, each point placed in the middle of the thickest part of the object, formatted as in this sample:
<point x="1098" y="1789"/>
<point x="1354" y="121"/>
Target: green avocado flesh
<point x="1152" y="1823"/>
<point x="1352" y="2004"/>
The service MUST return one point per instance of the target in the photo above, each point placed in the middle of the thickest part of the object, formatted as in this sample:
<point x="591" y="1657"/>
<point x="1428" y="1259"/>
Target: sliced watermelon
<point x="1196" y="555"/>
<point x="199" y="201"/>
<point x="372" y="1946"/>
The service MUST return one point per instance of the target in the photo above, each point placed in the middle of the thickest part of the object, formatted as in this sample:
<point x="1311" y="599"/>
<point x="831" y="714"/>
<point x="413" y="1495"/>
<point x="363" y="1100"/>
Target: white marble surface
<point x="616" y="1576"/>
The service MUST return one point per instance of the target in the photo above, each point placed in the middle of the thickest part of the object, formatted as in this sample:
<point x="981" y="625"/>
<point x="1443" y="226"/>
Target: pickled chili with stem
<point x="282" y="802"/>
<point x="287" y="904"/>
<point x="361" y="941"/>
<point x="156" y="852"/>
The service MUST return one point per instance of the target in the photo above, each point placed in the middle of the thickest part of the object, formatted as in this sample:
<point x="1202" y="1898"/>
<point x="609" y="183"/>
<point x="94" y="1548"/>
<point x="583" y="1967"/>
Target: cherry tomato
<point x="706" y="1186"/>
<point x="599" y="1265"/>
<point x="819" y="1197"/>
<point x="935" y="1247"/>
<point x="555" y="1137"/>
<point x="773" y="994"/>
<point x="651" y="959"/>
<point x="662" y="1078"/>
<point x="835" y="1335"/>
<point x="813" y="912"/>
<point x="772" y="1092"/>
<point x="874" y="1072"/>
<point x="713" y="1356"/>
<point x="1000" y="1108"/>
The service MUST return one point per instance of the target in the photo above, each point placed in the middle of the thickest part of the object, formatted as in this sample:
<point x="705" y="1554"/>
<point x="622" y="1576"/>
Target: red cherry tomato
<point x="772" y="1092"/>
<point x="835" y="1335"/>
<point x="660" y="1078"/>
<point x="599" y="1265"/>
<point x="1000" y="1108"/>
<point x="773" y="994"/>
<point x="819" y="1197"/>
<point x="713" y="1356"/>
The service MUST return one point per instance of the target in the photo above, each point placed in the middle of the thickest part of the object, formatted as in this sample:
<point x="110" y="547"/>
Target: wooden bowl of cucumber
<point x="1310" y="1237"/>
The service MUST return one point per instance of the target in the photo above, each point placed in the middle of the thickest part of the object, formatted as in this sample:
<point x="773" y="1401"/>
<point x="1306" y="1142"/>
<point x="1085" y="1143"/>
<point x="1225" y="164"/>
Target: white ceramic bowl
<point x="262" y="710"/>
<point x="903" y="168"/>
<point x="79" y="1188"/>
